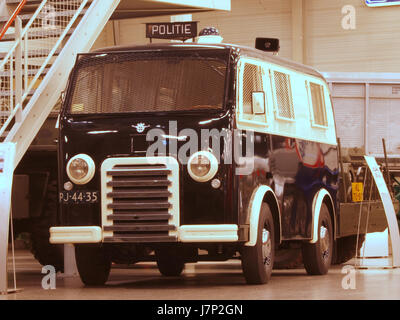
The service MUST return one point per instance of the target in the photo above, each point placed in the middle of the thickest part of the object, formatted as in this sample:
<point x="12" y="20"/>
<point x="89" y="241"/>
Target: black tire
<point x="317" y="257"/>
<point x="93" y="264"/>
<point x="346" y="248"/>
<point x="126" y="253"/>
<point x="41" y="248"/>
<point x="291" y="258"/>
<point x="258" y="261"/>
<point x="170" y="262"/>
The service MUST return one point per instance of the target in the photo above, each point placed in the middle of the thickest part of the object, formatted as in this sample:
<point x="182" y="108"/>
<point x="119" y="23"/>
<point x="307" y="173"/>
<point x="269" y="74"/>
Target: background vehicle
<point x="35" y="196"/>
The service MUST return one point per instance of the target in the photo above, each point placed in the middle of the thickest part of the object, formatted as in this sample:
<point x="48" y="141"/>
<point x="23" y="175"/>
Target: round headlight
<point x="202" y="166"/>
<point x="80" y="169"/>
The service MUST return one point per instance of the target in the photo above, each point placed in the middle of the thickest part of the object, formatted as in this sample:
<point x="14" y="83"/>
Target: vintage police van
<point x="118" y="203"/>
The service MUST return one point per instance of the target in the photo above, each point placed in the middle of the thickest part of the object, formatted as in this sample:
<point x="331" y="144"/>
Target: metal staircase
<point x="36" y="58"/>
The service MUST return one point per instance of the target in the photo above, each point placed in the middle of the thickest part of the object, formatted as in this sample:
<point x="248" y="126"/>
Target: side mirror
<point x="258" y="102"/>
<point x="267" y="44"/>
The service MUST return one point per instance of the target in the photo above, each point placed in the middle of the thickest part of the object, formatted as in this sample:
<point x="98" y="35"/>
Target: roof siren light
<point x="209" y="35"/>
<point x="268" y="44"/>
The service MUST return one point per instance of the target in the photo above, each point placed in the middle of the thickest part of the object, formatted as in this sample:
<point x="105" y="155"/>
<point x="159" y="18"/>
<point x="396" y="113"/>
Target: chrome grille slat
<point x="139" y="183"/>
<point x="140" y="239"/>
<point x="145" y="172"/>
<point x="137" y="216"/>
<point x="139" y="227"/>
<point x="138" y="194"/>
<point x="139" y="201"/>
<point x="140" y="205"/>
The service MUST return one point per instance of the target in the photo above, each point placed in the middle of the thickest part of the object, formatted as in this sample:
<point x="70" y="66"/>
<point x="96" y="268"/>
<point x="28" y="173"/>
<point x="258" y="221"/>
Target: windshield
<point x="120" y="83"/>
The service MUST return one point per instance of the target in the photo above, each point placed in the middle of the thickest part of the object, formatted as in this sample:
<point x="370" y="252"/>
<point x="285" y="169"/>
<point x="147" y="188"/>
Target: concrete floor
<point x="204" y="281"/>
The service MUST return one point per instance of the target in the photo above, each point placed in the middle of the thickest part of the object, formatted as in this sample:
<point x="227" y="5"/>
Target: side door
<point x="252" y="120"/>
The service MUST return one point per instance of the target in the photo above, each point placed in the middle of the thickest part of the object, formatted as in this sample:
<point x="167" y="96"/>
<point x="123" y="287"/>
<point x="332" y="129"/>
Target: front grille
<point x="141" y="201"/>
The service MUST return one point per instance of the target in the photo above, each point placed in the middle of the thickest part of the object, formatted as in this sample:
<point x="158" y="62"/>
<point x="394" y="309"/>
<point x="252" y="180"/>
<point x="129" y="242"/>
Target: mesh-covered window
<point x="284" y="102"/>
<point x="318" y="104"/>
<point x="148" y="84"/>
<point x="252" y="81"/>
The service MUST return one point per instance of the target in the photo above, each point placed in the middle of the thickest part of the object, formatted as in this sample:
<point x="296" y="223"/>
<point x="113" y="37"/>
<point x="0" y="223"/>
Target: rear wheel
<point x="317" y="257"/>
<point x="93" y="264"/>
<point x="170" y="262"/>
<point x="258" y="260"/>
<point x="290" y="258"/>
<point x="346" y="248"/>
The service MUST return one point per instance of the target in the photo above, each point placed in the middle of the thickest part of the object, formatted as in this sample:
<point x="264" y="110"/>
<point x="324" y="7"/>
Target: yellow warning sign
<point x="357" y="189"/>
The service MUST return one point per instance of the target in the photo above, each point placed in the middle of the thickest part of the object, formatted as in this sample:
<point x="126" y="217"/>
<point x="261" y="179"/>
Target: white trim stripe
<point x="209" y="233"/>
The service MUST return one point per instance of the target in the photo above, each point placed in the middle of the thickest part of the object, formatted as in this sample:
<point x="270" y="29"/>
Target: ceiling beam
<point x="298" y="40"/>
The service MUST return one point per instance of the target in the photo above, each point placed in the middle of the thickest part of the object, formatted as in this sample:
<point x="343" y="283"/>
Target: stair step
<point x="34" y="3"/>
<point x="39" y="34"/>
<point x="31" y="72"/>
<point x="26" y="17"/>
<point x="28" y="2"/>
<point x="4" y="93"/>
<point x="33" y="53"/>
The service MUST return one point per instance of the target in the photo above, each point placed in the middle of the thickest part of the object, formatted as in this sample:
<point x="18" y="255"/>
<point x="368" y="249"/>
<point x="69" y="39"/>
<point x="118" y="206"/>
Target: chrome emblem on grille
<point x="140" y="127"/>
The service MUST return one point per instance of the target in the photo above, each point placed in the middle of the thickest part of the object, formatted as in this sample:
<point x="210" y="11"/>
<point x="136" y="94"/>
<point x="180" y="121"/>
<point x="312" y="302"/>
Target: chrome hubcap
<point x="324" y="241"/>
<point x="266" y="247"/>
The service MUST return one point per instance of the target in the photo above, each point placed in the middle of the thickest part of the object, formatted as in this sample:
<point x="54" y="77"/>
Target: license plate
<point x="78" y="197"/>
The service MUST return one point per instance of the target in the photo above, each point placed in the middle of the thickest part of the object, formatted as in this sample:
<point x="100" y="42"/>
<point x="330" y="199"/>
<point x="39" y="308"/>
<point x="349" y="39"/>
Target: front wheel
<point x="258" y="261"/>
<point x="93" y="264"/>
<point x="317" y="257"/>
<point x="170" y="262"/>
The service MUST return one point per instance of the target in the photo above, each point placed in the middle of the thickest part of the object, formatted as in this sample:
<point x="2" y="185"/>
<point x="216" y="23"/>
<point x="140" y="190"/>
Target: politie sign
<point x="171" y="30"/>
<point x="382" y="3"/>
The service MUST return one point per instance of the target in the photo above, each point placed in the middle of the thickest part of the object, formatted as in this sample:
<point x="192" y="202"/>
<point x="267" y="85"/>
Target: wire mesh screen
<point x="33" y="51"/>
<point x="318" y="104"/>
<point x="123" y="82"/>
<point x="283" y="95"/>
<point x="252" y="82"/>
<point x="42" y="39"/>
<point x="6" y="90"/>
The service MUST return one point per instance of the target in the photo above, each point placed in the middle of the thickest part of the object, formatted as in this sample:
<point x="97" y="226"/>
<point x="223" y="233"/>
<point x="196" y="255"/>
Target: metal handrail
<point x="16" y="61"/>
<point x="12" y="18"/>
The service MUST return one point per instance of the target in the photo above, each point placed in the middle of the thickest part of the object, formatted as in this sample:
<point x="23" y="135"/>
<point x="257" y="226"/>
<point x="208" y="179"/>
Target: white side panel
<point x="366" y="107"/>
<point x="384" y="118"/>
<point x="300" y="127"/>
<point x="349" y="115"/>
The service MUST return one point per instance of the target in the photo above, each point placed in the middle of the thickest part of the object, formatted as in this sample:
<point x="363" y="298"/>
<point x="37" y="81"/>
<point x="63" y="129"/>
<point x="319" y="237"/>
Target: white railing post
<point x="25" y="40"/>
<point x="11" y="83"/>
<point x="7" y="153"/>
<point x="18" y="68"/>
